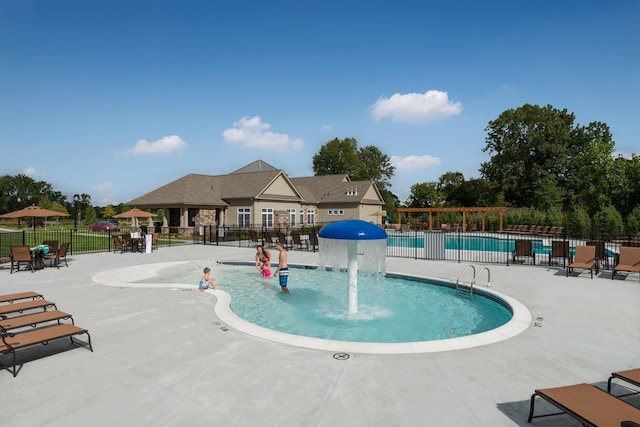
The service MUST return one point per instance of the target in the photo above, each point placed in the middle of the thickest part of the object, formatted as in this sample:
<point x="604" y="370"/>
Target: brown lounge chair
<point x="587" y="404"/>
<point x="19" y="307"/>
<point x="12" y="342"/>
<point x="632" y="376"/>
<point x="629" y="260"/>
<point x="11" y="298"/>
<point x="585" y="259"/>
<point x="34" y="319"/>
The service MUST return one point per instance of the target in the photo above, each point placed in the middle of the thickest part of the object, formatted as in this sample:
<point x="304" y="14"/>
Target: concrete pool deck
<point x="163" y="358"/>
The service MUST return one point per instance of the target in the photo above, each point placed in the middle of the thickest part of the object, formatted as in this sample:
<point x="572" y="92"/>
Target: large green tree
<point x="19" y="191"/>
<point x="343" y="156"/>
<point x="425" y="195"/>
<point x="540" y="158"/>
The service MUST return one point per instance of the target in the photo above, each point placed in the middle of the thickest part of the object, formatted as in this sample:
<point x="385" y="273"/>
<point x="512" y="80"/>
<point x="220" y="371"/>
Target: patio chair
<point x="587" y="404"/>
<point x="282" y="238"/>
<point x="21" y="254"/>
<point x="313" y="240"/>
<point x="524" y="248"/>
<point x="117" y="243"/>
<point x="631" y="376"/>
<point x="253" y="238"/>
<point x="53" y="245"/>
<point x="585" y="259"/>
<point x="154" y="241"/>
<point x="267" y="239"/>
<point x="297" y="241"/>
<point x="560" y="249"/>
<point x="628" y="260"/>
<point x="58" y="255"/>
<point x="601" y="255"/>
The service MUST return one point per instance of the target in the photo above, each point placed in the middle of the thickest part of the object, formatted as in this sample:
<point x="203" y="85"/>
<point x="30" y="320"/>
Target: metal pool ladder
<point x="469" y="289"/>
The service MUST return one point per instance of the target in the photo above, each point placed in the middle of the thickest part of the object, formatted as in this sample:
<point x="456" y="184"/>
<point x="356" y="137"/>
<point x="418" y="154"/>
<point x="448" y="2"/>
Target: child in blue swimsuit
<point x="207" y="282"/>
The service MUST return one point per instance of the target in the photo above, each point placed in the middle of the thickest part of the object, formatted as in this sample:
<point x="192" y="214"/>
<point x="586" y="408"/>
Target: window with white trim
<point x="267" y="217"/>
<point x="311" y="216"/>
<point x="292" y="217"/>
<point x="244" y="217"/>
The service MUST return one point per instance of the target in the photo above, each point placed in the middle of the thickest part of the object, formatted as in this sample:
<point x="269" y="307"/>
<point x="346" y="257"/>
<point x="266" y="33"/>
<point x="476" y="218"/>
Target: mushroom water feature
<point x="354" y="245"/>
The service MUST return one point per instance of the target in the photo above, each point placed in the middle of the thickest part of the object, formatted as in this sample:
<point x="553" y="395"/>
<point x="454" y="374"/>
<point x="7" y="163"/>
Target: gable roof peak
<point x="257" y="166"/>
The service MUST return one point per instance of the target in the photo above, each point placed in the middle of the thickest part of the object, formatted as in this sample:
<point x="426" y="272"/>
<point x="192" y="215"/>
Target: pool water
<point x="390" y="310"/>
<point x="476" y="243"/>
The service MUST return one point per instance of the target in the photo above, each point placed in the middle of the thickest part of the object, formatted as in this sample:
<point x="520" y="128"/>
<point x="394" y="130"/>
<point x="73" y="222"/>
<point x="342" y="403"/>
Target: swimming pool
<point x="463" y="242"/>
<point x="392" y="309"/>
<point x="244" y="293"/>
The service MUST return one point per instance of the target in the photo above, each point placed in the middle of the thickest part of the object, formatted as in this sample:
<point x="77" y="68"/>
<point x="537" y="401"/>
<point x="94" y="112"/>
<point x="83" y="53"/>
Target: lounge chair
<point x="628" y="260"/>
<point x="585" y="259"/>
<point x="11" y="298"/>
<point x="632" y="376"/>
<point x="20" y="307"/>
<point x="587" y="404"/>
<point x="21" y="254"/>
<point x="34" y="319"/>
<point x="12" y="342"/>
<point x="524" y="248"/>
<point x="601" y="254"/>
<point x="61" y="253"/>
<point x="560" y="249"/>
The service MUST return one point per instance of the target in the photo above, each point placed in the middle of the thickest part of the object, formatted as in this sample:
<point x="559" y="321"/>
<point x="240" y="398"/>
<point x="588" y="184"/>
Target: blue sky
<point x="117" y="98"/>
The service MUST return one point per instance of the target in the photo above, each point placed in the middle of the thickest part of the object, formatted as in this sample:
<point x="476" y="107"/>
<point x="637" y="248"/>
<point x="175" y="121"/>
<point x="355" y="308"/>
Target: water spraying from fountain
<point x="354" y="245"/>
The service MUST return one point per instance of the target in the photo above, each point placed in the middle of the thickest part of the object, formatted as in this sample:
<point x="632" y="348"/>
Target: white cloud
<point x="168" y="144"/>
<point x="32" y="172"/>
<point x="326" y="127"/>
<point x="252" y="133"/>
<point x="617" y="154"/>
<point x="414" y="163"/>
<point x="416" y="107"/>
<point x="103" y="186"/>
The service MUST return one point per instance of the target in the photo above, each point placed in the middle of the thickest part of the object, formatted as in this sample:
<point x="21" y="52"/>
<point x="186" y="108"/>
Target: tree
<point x="109" y="211"/>
<point x="337" y="157"/>
<point x="448" y="183"/>
<point x="540" y="159"/>
<point x="20" y="191"/>
<point x="375" y="166"/>
<point x="424" y="195"/>
<point x="344" y="157"/>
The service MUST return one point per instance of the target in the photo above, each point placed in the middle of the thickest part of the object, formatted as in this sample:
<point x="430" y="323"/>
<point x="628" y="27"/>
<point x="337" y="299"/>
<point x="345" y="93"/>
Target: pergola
<point x="431" y="211"/>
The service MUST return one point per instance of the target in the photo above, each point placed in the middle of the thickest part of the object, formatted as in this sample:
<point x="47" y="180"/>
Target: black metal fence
<point x="473" y="247"/>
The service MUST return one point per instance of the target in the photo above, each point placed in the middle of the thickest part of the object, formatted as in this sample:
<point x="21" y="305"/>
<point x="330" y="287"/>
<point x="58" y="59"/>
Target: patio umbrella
<point x="33" y="212"/>
<point x="135" y="213"/>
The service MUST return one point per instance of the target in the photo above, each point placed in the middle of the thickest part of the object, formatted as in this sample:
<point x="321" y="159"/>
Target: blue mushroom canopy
<point x="352" y="229"/>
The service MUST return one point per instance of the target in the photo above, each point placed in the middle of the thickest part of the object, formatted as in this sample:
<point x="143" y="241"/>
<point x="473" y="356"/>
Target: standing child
<point x="207" y="282"/>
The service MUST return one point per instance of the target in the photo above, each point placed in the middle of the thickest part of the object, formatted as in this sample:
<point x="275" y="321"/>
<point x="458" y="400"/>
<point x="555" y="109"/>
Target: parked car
<point x="112" y="221"/>
<point x="104" y="226"/>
